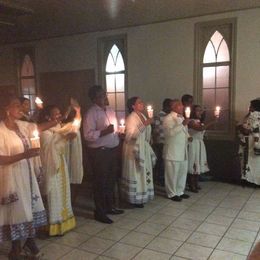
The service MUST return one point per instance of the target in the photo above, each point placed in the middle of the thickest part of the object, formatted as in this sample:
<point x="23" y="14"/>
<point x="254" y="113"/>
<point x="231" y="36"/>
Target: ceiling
<point x="25" y="20"/>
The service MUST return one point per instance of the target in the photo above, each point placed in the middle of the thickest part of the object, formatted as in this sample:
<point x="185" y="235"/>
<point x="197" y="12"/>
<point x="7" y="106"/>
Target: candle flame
<point x="149" y="108"/>
<point x="187" y="112"/>
<point x="76" y="123"/>
<point x="38" y="101"/>
<point x="122" y="122"/>
<point x="35" y="134"/>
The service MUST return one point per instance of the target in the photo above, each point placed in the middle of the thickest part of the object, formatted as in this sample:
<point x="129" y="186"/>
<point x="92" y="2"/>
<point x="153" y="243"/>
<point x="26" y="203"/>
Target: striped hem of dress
<point x="23" y="230"/>
<point x="130" y="193"/>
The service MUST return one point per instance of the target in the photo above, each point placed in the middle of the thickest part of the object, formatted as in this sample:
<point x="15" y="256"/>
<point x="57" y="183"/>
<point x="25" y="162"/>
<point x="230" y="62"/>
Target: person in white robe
<point x="21" y="206"/>
<point x="250" y="144"/>
<point x="138" y="156"/>
<point x="56" y="186"/>
<point x="197" y="155"/>
<point x="175" y="152"/>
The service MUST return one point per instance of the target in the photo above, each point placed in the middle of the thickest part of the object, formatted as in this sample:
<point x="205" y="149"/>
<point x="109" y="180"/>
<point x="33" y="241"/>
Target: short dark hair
<point x="186" y="98"/>
<point x="166" y="103"/>
<point x="255" y="104"/>
<point x="92" y="93"/>
<point x="45" y="112"/>
<point x="193" y="114"/>
<point x="6" y="98"/>
<point x="130" y="102"/>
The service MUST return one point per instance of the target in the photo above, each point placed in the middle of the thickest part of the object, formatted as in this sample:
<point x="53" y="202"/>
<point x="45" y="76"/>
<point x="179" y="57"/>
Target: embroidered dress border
<point x="130" y="193"/>
<point x="10" y="199"/>
<point x="23" y="230"/>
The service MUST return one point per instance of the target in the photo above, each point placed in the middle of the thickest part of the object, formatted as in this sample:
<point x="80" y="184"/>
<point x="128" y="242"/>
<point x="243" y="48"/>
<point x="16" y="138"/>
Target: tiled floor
<point x="221" y="222"/>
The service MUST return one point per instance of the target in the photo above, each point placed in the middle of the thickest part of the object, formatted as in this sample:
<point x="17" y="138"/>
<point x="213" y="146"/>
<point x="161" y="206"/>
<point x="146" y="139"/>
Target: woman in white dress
<point x="138" y="156"/>
<point x="21" y="207"/>
<point x="57" y="180"/>
<point x="250" y="144"/>
<point x="197" y="156"/>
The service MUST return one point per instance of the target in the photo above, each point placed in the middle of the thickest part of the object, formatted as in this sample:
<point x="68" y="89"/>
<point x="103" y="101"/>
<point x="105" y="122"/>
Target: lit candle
<point x="217" y="111"/>
<point x="38" y="102"/>
<point x="35" y="140"/>
<point x="76" y="124"/>
<point x="187" y="112"/>
<point x="150" y="111"/>
<point x="122" y="126"/>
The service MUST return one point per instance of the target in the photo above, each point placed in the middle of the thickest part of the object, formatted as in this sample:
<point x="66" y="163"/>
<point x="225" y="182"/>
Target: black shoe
<point x="194" y="190"/>
<point x="115" y="211"/>
<point x="102" y="218"/>
<point x="176" y="198"/>
<point x="138" y="206"/>
<point x="185" y="196"/>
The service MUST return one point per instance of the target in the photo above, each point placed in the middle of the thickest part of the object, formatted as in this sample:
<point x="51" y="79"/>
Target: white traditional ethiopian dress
<point x="138" y="162"/>
<point x="21" y="206"/>
<point x="197" y="154"/>
<point x="56" y="180"/>
<point x="250" y="150"/>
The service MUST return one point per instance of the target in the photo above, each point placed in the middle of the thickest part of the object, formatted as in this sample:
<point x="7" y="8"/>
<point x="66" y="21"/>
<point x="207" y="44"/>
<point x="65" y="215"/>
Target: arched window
<point x="115" y="80"/>
<point x="215" y="73"/>
<point x="27" y="80"/>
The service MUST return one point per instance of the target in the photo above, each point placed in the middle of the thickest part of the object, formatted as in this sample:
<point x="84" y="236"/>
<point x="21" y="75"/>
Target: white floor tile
<point x="79" y="255"/>
<point x="97" y="245"/>
<point x="72" y="239"/>
<point x="112" y="233"/>
<point x="212" y="229"/>
<point x="235" y="246"/>
<point x="122" y="251"/>
<point x="202" y="239"/>
<point x="186" y="223"/>
<point x="150" y="228"/>
<point x="176" y="233"/>
<point x="164" y="245"/>
<point x="223" y="255"/>
<point x="241" y="234"/>
<point x="246" y="224"/>
<point x="151" y="255"/>
<point x="137" y="239"/>
<point x="194" y="252"/>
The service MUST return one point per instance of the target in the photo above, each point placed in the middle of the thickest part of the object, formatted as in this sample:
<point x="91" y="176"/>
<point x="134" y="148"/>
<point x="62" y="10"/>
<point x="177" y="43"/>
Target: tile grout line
<point x="215" y="248"/>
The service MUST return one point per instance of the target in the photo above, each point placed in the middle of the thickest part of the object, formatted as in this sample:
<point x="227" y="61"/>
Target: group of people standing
<point x="179" y="145"/>
<point x="103" y="138"/>
<point x="34" y="174"/>
<point x="35" y="178"/>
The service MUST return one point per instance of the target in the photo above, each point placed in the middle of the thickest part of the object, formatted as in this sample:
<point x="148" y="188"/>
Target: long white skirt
<point x="19" y="220"/>
<point x="61" y="217"/>
<point x="197" y="157"/>
<point x="136" y="185"/>
<point x="252" y="171"/>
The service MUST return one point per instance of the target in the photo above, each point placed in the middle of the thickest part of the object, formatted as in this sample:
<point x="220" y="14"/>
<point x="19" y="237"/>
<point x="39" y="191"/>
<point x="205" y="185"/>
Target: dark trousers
<point x="104" y="166"/>
<point x="159" y="166"/>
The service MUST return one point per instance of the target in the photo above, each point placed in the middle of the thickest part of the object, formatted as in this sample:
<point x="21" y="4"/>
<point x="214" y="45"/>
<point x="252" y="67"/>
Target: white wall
<point x="160" y="57"/>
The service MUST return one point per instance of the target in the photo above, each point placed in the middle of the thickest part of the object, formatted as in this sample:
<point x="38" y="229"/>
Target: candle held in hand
<point x="217" y="111"/>
<point x="38" y="102"/>
<point x="187" y="112"/>
<point x="150" y="111"/>
<point x="122" y="126"/>
<point x="35" y="140"/>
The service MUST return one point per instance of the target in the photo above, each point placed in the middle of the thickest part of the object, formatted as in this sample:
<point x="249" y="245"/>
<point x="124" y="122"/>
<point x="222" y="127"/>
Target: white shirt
<point x="96" y="120"/>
